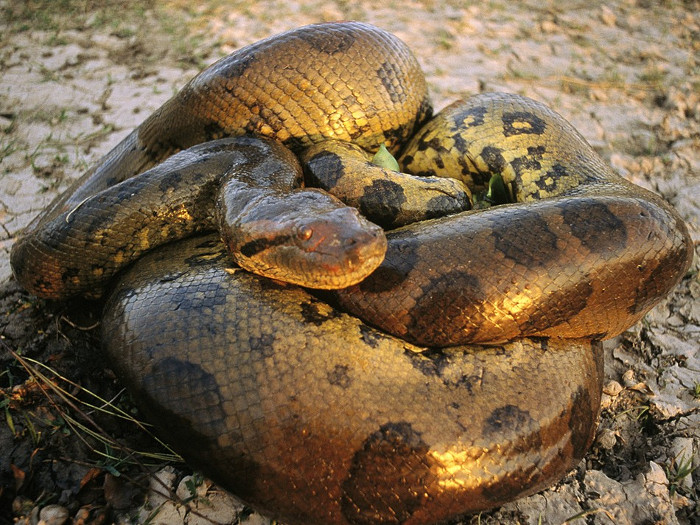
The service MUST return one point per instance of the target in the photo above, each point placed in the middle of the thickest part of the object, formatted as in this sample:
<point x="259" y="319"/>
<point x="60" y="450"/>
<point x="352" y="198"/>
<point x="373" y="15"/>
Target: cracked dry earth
<point x="77" y="76"/>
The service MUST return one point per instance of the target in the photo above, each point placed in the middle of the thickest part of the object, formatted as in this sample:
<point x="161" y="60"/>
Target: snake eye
<point x="304" y="233"/>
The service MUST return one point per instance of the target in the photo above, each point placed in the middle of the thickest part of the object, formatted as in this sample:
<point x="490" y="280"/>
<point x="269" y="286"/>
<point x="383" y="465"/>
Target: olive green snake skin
<point x="460" y="369"/>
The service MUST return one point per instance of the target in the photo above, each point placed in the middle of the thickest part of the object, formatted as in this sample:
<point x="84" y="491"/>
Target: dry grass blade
<point x="52" y="387"/>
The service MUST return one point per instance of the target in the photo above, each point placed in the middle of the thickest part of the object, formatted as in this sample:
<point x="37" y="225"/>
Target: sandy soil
<point x="78" y="75"/>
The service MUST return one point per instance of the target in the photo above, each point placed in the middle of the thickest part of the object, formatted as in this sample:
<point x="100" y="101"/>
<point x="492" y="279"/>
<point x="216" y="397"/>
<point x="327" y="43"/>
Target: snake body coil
<point x="306" y="412"/>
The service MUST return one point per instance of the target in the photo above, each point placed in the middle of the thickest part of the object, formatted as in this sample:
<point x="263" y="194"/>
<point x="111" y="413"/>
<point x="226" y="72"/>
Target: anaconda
<point x="306" y="412"/>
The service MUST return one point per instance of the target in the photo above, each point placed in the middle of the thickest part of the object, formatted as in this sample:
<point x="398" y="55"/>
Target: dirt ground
<point x="78" y="75"/>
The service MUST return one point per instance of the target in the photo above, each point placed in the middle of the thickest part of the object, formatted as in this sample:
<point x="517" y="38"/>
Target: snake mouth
<point x="353" y="269"/>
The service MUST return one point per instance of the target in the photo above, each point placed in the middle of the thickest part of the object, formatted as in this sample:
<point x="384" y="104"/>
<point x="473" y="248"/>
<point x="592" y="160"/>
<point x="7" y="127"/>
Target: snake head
<point x="306" y="237"/>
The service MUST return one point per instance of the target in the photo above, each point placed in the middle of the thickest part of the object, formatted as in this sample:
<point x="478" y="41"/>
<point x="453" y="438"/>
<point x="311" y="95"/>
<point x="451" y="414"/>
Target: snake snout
<point x="344" y="246"/>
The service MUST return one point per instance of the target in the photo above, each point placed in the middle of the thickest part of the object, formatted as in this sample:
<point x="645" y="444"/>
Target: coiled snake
<point x="368" y="403"/>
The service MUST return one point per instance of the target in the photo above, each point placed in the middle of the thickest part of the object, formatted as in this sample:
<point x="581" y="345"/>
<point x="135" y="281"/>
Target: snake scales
<point x="309" y="413"/>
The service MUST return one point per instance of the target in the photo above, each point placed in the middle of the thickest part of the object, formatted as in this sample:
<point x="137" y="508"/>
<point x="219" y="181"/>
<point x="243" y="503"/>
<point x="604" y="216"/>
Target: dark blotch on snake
<point x="392" y="462"/>
<point x="370" y="335"/>
<point x="521" y="249"/>
<point x="382" y="201"/>
<point x="472" y="117"/>
<point x="645" y="294"/>
<point x="513" y="124"/>
<point x="388" y="73"/>
<point x="436" y="206"/>
<point x="311" y="313"/>
<point x="327" y="164"/>
<point x="199" y="392"/>
<point x="395" y="268"/>
<point x="329" y="42"/>
<point x="529" y="162"/>
<point x="580" y="421"/>
<point x="598" y="229"/>
<point x="454" y="293"/>
<point x="493" y="157"/>
<point x="559" y="307"/>
<point x="259" y="245"/>
<point x="508" y="418"/>
<point x="550" y="180"/>
<point x="340" y="377"/>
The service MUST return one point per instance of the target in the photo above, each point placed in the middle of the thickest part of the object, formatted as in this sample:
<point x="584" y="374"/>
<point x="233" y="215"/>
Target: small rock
<point x="655" y="480"/>
<point x="168" y="512"/>
<point x="612" y="388"/>
<point x="187" y="484"/>
<point x="22" y="505"/>
<point x="680" y="502"/>
<point x="644" y="499"/>
<point x="672" y="393"/>
<point x="159" y="507"/>
<point x="682" y="448"/>
<point x="217" y="507"/>
<point x="53" y="515"/>
<point x="607" y="439"/>
<point x="82" y="516"/>
<point x="161" y="485"/>
<point x="255" y="519"/>
<point x="549" y="26"/>
<point x="5" y="123"/>
<point x="628" y="378"/>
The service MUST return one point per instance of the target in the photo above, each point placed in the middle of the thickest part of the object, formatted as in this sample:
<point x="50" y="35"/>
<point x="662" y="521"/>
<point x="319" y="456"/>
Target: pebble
<point x="607" y="439"/>
<point x="184" y="491"/>
<point x="5" y="123"/>
<point x="161" y="483"/>
<point x="549" y="26"/>
<point x="629" y="379"/>
<point x="656" y="480"/>
<point x="255" y="519"/>
<point x="53" y="515"/>
<point x="612" y="388"/>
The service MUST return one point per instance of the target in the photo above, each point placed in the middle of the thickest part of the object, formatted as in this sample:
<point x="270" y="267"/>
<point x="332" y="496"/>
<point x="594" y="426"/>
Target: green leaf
<point x="10" y="421"/>
<point x="497" y="193"/>
<point x="385" y="160"/>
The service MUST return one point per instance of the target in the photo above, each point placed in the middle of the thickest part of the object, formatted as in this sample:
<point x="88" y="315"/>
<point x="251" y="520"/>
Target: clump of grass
<point x="676" y="472"/>
<point x="445" y="39"/>
<point x="695" y="391"/>
<point x="653" y="75"/>
<point x="7" y="148"/>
